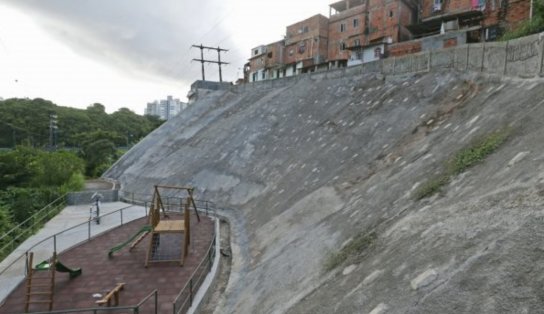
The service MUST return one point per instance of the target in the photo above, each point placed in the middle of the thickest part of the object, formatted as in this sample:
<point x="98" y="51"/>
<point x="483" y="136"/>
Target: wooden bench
<point x="112" y="293"/>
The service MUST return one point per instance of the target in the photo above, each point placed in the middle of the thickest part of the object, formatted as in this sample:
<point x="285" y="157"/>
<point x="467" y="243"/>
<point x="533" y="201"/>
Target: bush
<point x="528" y="27"/>
<point x="24" y="202"/>
<point x="75" y="183"/>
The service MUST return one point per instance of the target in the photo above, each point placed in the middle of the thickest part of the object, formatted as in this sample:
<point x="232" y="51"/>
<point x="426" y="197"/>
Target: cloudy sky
<point x="125" y="53"/>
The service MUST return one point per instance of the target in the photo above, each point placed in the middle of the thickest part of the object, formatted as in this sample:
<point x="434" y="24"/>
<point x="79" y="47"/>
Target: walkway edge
<point x="211" y="279"/>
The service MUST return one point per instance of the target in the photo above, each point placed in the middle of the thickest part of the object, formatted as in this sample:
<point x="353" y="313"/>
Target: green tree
<point x="98" y="150"/>
<point x="18" y="167"/>
<point x="57" y="168"/>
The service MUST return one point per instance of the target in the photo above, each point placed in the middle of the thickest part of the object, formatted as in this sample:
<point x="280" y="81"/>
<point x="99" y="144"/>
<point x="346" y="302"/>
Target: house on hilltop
<point x="361" y="31"/>
<point x="306" y="44"/>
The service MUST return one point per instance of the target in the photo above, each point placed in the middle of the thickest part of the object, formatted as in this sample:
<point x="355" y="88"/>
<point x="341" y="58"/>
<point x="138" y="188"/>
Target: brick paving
<point x="101" y="273"/>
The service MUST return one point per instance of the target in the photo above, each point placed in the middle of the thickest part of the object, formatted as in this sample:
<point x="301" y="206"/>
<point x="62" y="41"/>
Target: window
<point x="270" y="55"/>
<point x="255" y="52"/>
<point x="437" y="6"/>
<point x="263" y="75"/>
<point x="305" y="29"/>
<point x="342" y="27"/>
<point x="291" y="51"/>
<point x="378" y="52"/>
<point x="301" y="47"/>
<point x="342" y="46"/>
<point x="356" y="43"/>
<point x="390" y="13"/>
<point x="355" y="23"/>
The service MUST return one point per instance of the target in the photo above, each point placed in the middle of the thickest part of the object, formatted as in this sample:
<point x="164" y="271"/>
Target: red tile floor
<point x="100" y="273"/>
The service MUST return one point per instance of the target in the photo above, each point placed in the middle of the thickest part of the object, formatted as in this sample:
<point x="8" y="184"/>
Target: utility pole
<point x="52" y="130"/>
<point x="218" y="62"/>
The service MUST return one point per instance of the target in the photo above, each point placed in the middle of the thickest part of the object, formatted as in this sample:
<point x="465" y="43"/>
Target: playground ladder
<point x="39" y="289"/>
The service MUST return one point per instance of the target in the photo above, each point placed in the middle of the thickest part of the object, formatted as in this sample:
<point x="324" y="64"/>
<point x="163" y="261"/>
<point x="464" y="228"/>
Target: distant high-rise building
<point x="166" y="108"/>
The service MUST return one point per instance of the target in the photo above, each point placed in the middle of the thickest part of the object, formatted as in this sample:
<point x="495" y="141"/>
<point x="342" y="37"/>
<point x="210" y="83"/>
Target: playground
<point x="101" y="272"/>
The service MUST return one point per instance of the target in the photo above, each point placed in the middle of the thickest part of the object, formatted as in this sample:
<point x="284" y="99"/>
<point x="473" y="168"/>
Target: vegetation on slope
<point x="463" y="160"/>
<point x="33" y="173"/>
<point x="350" y="251"/>
<point x="528" y="27"/>
<point x="92" y="132"/>
<point x="30" y="179"/>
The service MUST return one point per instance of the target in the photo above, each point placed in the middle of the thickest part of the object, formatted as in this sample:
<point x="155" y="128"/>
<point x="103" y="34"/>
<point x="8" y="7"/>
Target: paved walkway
<point x="71" y="216"/>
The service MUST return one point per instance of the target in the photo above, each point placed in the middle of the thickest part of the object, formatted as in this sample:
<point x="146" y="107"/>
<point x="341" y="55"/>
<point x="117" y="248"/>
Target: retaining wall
<point x="523" y="57"/>
<point x="81" y="198"/>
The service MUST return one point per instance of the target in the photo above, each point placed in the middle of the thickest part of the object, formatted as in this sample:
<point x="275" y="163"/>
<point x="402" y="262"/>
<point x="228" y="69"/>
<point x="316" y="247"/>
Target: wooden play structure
<point x="164" y="225"/>
<point x="113" y="293"/>
<point x="41" y="289"/>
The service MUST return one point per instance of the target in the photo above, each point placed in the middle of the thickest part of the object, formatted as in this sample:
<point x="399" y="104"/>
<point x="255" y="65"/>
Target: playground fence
<point x="14" y="271"/>
<point x="184" y="299"/>
<point x="136" y="309"/>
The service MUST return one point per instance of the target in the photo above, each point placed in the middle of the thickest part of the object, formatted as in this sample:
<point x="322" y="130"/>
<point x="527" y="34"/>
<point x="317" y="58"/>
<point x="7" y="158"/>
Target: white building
<point x="166" y="108"/>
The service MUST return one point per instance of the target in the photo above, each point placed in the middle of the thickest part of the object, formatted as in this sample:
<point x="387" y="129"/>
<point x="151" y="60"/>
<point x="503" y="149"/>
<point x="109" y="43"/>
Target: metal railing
<point x="25" y="229"/>
<point x="169" y="202"/>
<point x="135" y="309"/>
<point x="184" y="299"/>
<point x="14" y="272"/>
<point x="57" y="243"/>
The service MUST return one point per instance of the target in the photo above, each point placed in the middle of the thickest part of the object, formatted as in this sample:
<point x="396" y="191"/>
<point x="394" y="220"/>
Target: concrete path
<point x="74" y="217"/>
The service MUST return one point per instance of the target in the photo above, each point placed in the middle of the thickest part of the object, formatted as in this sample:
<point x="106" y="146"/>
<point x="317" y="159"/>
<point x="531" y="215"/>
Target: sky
<point x="126" y="53"/>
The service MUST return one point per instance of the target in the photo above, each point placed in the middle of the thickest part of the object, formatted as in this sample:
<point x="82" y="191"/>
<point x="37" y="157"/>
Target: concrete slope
<point x="303" y="168"/>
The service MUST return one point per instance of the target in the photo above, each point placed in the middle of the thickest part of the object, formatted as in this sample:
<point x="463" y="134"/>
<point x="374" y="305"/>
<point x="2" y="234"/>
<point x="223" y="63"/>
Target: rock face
<point x="303" y="167"/>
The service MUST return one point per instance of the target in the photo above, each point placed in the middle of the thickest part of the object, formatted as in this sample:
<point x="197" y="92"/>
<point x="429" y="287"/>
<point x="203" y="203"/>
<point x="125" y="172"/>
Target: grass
<point x="536" y="25"/>
<point x="349" y="252"/>
<point x="431" y="187"/>
<point x="463" y="160"/>
<point x="531" y="26"/>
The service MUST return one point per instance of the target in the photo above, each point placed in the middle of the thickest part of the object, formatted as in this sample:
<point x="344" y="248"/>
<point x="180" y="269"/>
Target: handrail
<point x="145" y="198"/>
<point x="54" y="236"/>
<point x="191" y="286"/>
<point x="31" y="217"/>
<point x="133" y="308"/>
<point x="21" y="231"/>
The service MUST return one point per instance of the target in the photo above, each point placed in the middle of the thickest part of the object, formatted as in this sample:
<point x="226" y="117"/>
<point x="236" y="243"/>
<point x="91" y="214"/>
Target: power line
<point x="218" y="62"/>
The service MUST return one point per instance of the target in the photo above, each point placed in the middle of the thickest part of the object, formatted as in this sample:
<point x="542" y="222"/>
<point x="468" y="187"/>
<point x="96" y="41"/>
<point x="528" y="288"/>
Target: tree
<point x="56" y="168"/>
<point x="98" y="150"/>
<point x="18" y="167"/>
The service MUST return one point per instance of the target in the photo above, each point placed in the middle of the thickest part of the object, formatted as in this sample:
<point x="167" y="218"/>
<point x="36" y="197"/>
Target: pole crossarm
<point x="218" y="62"/>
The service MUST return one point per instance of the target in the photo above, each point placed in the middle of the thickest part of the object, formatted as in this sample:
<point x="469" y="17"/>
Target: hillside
<point x="28" y="121"/>
<point x="303" y="167"/>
